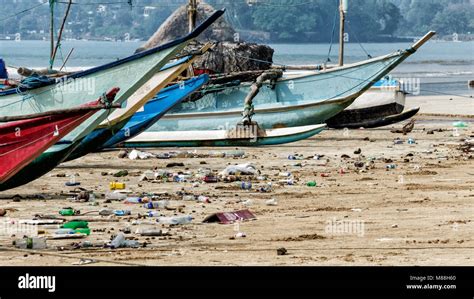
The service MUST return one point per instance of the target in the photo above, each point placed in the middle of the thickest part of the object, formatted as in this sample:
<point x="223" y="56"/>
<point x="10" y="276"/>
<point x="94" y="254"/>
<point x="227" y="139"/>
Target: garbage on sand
<point x="230" y="217"/>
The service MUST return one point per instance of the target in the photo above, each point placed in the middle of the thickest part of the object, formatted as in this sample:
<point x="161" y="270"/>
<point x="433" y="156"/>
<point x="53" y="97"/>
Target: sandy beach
<point x="418" y="213"/>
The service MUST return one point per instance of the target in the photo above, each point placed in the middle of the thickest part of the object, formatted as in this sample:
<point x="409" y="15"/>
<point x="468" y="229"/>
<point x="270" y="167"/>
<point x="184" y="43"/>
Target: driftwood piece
<point x="254" y="89"/>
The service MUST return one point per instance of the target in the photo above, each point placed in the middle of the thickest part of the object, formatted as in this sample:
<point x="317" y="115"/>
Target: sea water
<point x="440" y="66"/>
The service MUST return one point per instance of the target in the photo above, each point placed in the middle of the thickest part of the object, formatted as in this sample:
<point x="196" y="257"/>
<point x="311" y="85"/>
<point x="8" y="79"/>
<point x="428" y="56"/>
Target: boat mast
<point x="51" y="32"/>
<point x="342" y="17"/>
<point x="192" y="9"/>
<point x="58" y="43"/>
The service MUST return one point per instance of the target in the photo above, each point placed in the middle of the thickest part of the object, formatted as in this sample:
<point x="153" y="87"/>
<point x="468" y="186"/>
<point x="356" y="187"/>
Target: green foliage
<point x="289" y="20"/>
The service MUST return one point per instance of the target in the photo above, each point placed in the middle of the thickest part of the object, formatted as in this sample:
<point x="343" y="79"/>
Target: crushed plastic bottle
<point x="115" y="196"/>
<point x="175" y="220"/>
<point x="245" y="185"/>
<point x="122" y="212"/>
<point x="160" y="204"/>
<point x="30" y="243"/>
<point x="120" y="241"/>
<point x="133" y="200"/>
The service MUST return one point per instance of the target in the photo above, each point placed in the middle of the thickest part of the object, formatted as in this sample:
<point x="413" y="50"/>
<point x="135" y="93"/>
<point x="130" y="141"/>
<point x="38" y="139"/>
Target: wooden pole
<point x="51" y="32"/>
<point x="53" y="56"/>
<point x="342" y="18"/>
<point x="192" y="9"/>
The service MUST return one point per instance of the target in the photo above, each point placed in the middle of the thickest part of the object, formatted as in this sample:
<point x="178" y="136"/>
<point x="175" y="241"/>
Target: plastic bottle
<point x="161" y="204"/>
<point x="175" y="220"/>
<point x="284" y="174"/>
<point x="115" y="196"/>
<point x="75" y="224"/>
<point x="64" y="231"/>
<point x="391" y="166"/>
<point x="118" y="241"/>
<point x="68" y="212"/>
<point x="245" y="185"/>
<point x="311" y="184"/>
<point x="210" y="179"/>
<point x="70" y="231"/>
<point x="133" y="200"/>
<point x="153" y="214"/>
<point x="411" y="141"/>
<point x="287" y="182"/>
<point x="189" y="197"/>
<point x="122" y="212"/>
<point x="202" y="198"/>
<point x="30" y="243"/>
<point x="150" y="232"/>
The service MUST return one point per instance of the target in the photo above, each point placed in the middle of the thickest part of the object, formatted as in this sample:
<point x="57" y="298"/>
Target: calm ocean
<point x="440" y="66"/>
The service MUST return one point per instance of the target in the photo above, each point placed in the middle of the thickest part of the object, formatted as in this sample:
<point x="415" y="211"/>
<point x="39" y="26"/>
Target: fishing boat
<point x="296" y="99"/>
<point x="24" y="138"/>
<point x="155" y="109"/>
<point x="129" y="73"/>
<point x="383" y="104"/>
<point x="119" y="118"/>
<point x="222" y="138"/>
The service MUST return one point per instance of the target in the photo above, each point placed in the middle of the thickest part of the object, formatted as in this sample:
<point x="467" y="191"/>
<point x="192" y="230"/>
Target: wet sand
<point x="420" y="213"/>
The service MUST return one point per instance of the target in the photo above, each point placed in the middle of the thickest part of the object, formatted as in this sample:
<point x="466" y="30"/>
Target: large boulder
<point x="227" y="56"/>
<point x="177" y="26"/>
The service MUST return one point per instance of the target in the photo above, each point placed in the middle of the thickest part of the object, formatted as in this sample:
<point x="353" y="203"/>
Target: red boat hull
<point x="23" y="141"/>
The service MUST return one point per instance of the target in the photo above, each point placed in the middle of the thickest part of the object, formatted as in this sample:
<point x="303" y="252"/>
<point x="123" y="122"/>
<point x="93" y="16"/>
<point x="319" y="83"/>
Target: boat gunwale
<point x="195" y="33"/>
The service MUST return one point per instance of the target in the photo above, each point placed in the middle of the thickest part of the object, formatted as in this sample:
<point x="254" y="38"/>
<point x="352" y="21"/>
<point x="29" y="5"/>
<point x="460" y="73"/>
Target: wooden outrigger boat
<point x="24" y="138"/>
<point x="382" y="105"/>
<point x="294" y="100"/>
<point x="222" y="138"/>
<point x="155" y="109"/>
<point x="129" y="73"/>
<point x="119" y="118"/>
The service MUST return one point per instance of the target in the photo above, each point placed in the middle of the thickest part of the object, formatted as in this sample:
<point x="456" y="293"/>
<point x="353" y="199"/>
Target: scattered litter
<point x="122" y="212"/>
<point x="271" y="202"/>
<point x="240" y="235"/>
<point x="175" y="164"/>
<point x="230" y="217"/>
<point x="175" y="220"/>
<point x="84" y="262"/>
<point x="121" y="173"/>
<point x="311" y="184"/>
<point x="244" y="185"/>
<point x="120" y="241"/>
<point x="116" y="186"/>
<point x="136" y="154"/>
<point x="151" y="232"/>
<point x="242" y="169"/>
<point x="160" y="204"/>
<point x="460" y="124"/>
<point x="30" y="243"/>
<point x="75" y="224"/>
<point x="69" y="212"/>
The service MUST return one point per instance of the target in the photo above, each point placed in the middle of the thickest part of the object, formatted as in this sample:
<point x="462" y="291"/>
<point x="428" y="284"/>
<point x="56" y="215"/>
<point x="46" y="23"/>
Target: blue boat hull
<point x="155" y="109"/>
